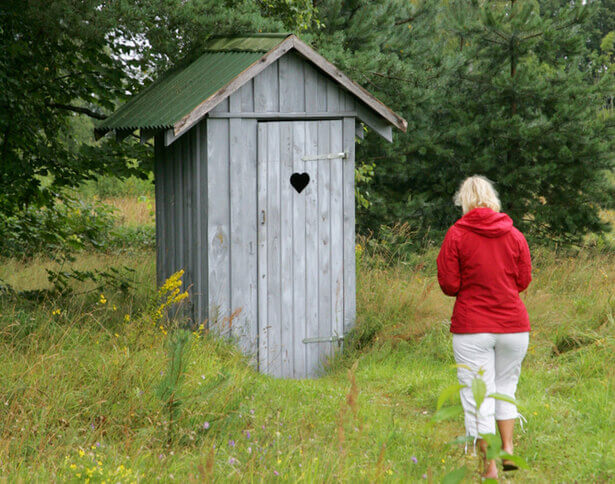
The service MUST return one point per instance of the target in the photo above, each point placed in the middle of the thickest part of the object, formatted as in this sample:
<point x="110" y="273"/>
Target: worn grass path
<point x="79" y="389"/>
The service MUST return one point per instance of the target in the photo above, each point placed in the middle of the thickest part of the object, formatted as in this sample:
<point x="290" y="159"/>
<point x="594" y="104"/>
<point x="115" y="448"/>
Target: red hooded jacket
<point x="485" y="262"/>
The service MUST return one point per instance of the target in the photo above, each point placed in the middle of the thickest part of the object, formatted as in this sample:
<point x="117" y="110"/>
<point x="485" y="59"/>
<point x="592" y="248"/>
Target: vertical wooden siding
<point x="301" y="252"/>
<point x="180" y="217"/>
<point x="208" y="220"/>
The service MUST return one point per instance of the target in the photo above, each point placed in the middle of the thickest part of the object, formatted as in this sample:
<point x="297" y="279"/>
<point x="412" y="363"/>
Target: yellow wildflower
<point x="81" y="453"/>
<point x="127" y="318"/>
<point x="103" y="299"/>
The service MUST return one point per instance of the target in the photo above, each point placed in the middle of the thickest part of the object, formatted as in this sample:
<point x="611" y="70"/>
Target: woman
<point x="485" y="263"/>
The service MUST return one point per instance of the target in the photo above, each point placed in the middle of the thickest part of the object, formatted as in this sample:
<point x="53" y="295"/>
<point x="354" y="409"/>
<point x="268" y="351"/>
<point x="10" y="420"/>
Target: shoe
<point x="508" y="465"/>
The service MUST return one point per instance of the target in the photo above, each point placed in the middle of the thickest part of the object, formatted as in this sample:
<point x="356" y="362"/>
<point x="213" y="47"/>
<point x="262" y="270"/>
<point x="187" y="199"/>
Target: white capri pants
<point x="500" y="355"/>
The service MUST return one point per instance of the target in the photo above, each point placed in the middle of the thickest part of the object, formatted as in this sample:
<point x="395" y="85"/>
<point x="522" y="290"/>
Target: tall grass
<point x="82" y="379"/>
<point x="79" y="388"/>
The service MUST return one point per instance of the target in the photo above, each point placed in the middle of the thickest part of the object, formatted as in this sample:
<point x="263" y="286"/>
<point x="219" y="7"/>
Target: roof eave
<point x="371" y="111"/>
<point x="289" y="43"/>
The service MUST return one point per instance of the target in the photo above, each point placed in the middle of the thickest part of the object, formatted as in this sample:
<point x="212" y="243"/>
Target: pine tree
<point x="525" y="112"/>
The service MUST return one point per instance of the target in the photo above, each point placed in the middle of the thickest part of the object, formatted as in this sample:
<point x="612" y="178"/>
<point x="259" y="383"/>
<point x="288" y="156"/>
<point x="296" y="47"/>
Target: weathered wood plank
<point x="234" y="102"/>
<point x="291" y="83"/>
<point x="333" y="97"/>
<point x="324" y="243"/>
<point x="337" y="232"/>
<point x="310" y="89"/>
<point x="243" y="227"/>
<point x="218" y="223"/>
<point x="179" y="204"/>
<point x="299" y="254"/>
<point x="175" y="203"/>
<point x="266" y="90"/>
<point x="321" y="100"/>
<point x="263" y="278"/>
<point x="349" y="225"/>
<point x="251" y="221"/>
<point x="187" y="210"/>
<point x="202" y="214"/>
<point x="295" y="115"/>
<point x="237" y="250"/>
<point x="285" y="86"/>
<point x="286" y="247"/>
<point x="247" y="96"/>
<point x="273" y="245"/>
<point x="311" y="247"/>
<point x="196" y="220"/>
<point x="348" y="104"/>
<point x="222" y="106"/>
<point x="169" y="202"/>
<point x="375" y="122"/>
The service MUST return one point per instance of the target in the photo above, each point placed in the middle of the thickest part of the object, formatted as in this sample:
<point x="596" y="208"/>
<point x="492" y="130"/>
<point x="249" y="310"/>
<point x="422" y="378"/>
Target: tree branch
<point x="78" y="109"/>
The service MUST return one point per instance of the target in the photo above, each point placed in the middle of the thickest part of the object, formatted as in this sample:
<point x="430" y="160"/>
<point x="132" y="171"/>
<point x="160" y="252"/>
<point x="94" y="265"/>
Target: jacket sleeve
<point x="449" y="276"/>
<point x="524" y="265"/>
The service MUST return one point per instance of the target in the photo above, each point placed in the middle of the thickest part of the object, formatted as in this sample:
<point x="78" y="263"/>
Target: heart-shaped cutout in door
<point x="299" y="181"/>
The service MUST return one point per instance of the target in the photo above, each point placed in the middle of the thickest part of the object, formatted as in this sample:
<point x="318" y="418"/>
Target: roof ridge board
<point x="253" y="34"/>
<point x="232" y="49"/>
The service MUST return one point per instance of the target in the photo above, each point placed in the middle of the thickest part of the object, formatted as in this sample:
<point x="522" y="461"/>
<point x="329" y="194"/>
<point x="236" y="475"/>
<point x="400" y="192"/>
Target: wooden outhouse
<point x="254" y="175"/>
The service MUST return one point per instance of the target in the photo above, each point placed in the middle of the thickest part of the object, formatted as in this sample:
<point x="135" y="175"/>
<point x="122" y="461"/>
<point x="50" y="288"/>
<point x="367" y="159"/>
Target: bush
<point x="67" y="226"/>
<point x="110" y="186"/>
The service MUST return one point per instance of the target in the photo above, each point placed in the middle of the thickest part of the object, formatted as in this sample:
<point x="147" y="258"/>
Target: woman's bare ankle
<point x="491" y="470"/>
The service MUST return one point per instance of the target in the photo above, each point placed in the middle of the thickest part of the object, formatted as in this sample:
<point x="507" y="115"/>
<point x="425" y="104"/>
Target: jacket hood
<point x="484" y="221"/>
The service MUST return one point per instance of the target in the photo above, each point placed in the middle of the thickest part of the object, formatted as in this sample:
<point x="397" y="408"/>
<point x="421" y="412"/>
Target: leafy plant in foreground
<point x="178" y="348"/>
<point x="170" y="388"/>
<point x="494" y="445"/>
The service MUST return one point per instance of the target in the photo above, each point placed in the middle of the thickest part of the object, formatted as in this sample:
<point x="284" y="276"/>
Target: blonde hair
<point x="477" y="191"/>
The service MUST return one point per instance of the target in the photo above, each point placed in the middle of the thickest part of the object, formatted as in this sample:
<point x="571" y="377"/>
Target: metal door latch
<point x="328" y="156"/>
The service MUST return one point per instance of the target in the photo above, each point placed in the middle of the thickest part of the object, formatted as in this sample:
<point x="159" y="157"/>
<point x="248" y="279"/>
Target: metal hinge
<point x="328" y="156"/>
<point x="335" y="338"/>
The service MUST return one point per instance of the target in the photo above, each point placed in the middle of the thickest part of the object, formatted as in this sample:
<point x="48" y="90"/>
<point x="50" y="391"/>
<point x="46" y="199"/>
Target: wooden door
<point x="300" y="245"/>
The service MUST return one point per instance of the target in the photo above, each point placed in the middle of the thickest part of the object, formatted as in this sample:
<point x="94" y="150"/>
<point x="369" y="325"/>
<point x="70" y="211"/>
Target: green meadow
<point x="82" y="385"/>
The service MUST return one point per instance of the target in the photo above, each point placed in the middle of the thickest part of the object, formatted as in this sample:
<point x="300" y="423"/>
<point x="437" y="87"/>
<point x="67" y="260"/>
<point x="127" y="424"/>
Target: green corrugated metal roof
<point x="177" y="93"/>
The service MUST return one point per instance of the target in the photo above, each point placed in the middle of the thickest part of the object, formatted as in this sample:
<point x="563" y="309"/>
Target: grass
<point x="133" y="211"/>
<point x="81" y="378"/>
<point x="85" y="381"/>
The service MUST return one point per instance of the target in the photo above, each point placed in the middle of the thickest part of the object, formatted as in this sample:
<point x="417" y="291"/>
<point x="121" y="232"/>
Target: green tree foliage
<point x="53" y="67"/>
<point x="601" y="21"/>
<point x="513" y="90"/>
<point x="393" y="48"/>
<point x="496" y="88"/>
<point x="531" y="117"/>
<point x="65" y="60"/>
